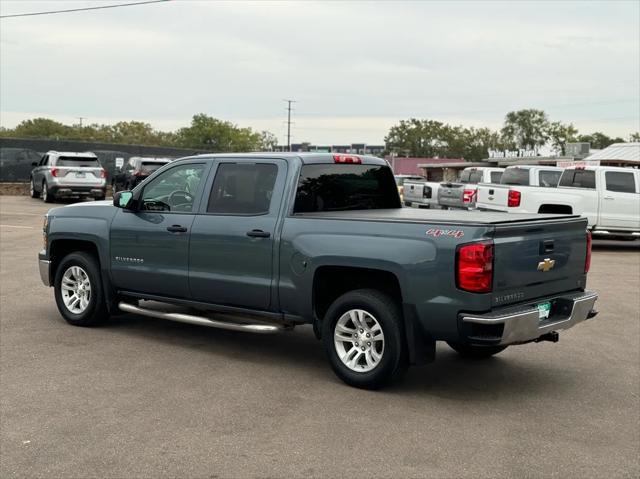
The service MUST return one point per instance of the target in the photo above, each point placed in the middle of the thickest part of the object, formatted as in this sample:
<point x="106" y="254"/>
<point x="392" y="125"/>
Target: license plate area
<point x="544" y="310"/>
<point x="80" y="174"/>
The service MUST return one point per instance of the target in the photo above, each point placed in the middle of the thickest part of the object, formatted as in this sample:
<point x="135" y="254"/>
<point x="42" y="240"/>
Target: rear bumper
<point x="521" y="324"/>
<point x="75" y="190"/>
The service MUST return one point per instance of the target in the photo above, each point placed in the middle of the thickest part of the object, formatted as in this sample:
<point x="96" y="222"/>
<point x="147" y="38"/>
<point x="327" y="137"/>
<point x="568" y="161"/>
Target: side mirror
<point x="121" y="199"/>
<point x="34" y="163"/>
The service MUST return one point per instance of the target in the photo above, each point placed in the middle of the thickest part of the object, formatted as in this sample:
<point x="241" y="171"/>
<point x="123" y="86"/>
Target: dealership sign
<point x="521" y="153"/>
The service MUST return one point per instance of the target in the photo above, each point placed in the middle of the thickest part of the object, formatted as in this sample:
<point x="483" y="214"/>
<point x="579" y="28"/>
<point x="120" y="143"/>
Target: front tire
<point x="363" y="338"/>
<point x="475" y="352"/>
<point x="32" y="189"/>
<point x="78" y="290"/>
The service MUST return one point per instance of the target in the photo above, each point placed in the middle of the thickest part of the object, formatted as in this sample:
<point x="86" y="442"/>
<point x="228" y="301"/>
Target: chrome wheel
<point x="32" y="189"/>
<point x="76" y="289"/>
<point x="45" y="193"/>
<point x="359" y="340"/>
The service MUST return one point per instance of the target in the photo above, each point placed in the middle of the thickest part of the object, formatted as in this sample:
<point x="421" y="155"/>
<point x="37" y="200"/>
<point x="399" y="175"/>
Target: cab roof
<point x="306" y="158"/>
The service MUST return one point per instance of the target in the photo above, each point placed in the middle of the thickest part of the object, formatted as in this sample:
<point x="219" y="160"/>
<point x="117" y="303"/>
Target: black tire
<point x="47" y="196"/>
<point x="32" y="189"/>
<point x="476" y="352"/>
<point x="96" y="311"/>
<point x="394" y="361"/>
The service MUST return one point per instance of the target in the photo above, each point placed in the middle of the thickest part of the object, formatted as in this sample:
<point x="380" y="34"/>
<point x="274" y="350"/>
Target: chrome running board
<point x="201" y="320"/>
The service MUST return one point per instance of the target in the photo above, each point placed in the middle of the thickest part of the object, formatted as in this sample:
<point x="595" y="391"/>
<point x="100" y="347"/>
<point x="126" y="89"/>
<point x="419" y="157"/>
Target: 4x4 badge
<point x="546" y="265"/>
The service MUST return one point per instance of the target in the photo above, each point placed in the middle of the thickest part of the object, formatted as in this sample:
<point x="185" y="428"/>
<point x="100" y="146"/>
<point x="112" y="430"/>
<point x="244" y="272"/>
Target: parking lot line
<point x="18" y="213"/>
<point x="16" y="226"/>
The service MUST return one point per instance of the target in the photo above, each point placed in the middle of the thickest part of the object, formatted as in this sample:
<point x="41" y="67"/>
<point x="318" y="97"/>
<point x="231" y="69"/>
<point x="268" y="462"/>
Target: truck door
<point x="620" y="200"/>
<point x="231" y="259"/>
<point x="150" y="246"/>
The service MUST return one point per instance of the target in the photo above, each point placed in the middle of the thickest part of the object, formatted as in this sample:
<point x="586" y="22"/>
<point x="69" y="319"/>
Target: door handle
<point x="176" y="229"/>
<point x="608" y="197"/>
<point x="258" y="234"/>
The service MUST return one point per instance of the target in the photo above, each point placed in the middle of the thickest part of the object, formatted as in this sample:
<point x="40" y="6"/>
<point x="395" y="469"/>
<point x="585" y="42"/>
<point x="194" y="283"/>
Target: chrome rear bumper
<point x="521" y="324"/>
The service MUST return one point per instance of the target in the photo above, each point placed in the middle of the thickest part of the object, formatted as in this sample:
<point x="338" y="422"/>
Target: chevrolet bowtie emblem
<point x="546" y="265"/>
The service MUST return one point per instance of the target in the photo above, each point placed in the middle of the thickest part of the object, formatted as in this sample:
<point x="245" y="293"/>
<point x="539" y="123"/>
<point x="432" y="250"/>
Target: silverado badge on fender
<point x="546" y="265"/>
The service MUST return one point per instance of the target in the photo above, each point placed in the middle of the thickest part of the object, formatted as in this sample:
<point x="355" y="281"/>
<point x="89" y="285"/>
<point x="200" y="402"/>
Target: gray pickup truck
<point x="264" y="242"/>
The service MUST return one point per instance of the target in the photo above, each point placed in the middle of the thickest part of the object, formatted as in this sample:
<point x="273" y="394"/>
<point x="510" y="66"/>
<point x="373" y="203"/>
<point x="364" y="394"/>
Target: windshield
<point x="515" y="176"/>
<point x="331" y="187"/>
<point x="77" y="161"/>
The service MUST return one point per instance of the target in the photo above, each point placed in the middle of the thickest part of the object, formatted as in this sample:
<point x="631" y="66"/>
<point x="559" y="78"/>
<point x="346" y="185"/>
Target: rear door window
<point x="515" y="176"/>
<point x="549" y="178"/>
<point x="578" y="179"/>
<point x="331" y="187"/>
<point x="620" y="181"/>
<point x="495" y="176"/>
<point x="243" y="189"/>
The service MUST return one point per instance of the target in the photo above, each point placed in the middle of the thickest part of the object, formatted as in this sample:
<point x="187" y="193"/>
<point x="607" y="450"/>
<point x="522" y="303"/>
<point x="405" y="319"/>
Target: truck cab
<point x="463" y="194"/>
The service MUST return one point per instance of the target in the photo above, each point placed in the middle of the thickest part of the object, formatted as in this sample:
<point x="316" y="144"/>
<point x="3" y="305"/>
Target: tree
<point x="525" y="129"/>
<point x="268" y="141"/>
<point x="635" y="136"/>
<point x="560" y="134"/>
<point x="40" y="128"/>
<point x="599" y="140"/>
<point x="208" y="133"/>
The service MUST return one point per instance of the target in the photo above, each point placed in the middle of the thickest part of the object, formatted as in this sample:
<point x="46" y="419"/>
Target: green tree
<point x="635" y="136"/>
<point x="40" y="128"/>
<point x="525" y="129"/>
<point x="268" y="141"/>
<point x="599" y="140"/>
<point x="208" y="133"/>
<point x="560" y="134"/>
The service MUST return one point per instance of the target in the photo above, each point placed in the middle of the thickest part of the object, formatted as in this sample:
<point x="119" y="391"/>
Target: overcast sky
<point x="355" y="69"/>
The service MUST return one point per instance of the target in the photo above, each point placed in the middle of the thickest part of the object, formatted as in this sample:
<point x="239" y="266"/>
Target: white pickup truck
<point x="421" y="194"/>
<point x="608" y="196"/>
<point x="463" y="194"/>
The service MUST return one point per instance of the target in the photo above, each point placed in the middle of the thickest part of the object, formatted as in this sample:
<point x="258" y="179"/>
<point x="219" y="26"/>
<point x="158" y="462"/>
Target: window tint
<point x="173" y="190"/>
<point x="578" y="179"/>
<point x="77" y="161"/>
<point x="242" y="189"/>
<point x="475" y="177"/>
<point x="620" y="181"/>
<point x="464" y="177"/>
<point x="515" y="176"/>
<point x="495" y="176"/>
<point x="549" y="178"/>
<point x="331" y="187"/>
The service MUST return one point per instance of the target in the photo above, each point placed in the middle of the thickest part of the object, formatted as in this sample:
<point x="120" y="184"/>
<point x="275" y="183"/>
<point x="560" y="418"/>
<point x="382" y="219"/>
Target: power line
<point x="51" y="12"/>
<point x="289" y="102"/>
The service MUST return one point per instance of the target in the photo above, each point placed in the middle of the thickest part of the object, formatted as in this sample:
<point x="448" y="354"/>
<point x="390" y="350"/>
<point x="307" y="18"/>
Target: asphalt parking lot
<point x="141" y="397"/>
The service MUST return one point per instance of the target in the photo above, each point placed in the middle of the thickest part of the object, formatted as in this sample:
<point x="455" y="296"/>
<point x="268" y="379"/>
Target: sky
<point x="354" y="68"/>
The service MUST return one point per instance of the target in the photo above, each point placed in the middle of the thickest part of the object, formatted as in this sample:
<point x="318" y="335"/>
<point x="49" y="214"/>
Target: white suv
<point x="60" y="174"/>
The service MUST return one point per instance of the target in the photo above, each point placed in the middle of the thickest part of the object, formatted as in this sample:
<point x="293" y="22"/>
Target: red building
<point x="409" y="166"/>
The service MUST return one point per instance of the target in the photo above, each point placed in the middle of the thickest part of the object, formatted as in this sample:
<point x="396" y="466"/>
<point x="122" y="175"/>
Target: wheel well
<point x="61" y="248"/>
<point x="331" y="282"/>
<point x="556" y="209"/>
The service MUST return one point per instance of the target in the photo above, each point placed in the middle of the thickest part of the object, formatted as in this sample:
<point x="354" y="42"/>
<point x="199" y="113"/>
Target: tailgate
<point x="492" y="197"/>
<point x="413" y="191"/>
<point x="450" y="194"/>
<point x="70" y="175"/>
<point x="538" y="258"/>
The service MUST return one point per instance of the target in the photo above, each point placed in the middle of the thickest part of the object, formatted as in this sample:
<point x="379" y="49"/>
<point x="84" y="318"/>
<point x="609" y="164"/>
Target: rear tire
<point x="32" y="189"/>
<point x="373" y="321"/>
<point x="476" y="352"/>
<point x="47" y="196"/>
<point x="78" y="290"/>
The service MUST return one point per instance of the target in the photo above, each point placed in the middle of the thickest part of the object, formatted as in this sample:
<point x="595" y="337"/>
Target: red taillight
<point x="474" y="267"/>
<point x="54" y="172"/>
<point x="513" y="199"/>
<point x="467" y="195"/>
<point x="587" y="259"/>
<point x="103" y="173"/>
<point x="347" y="159"/>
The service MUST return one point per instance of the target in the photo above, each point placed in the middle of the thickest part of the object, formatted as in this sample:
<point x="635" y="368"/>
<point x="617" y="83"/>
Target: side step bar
<point x="201" y="320"/>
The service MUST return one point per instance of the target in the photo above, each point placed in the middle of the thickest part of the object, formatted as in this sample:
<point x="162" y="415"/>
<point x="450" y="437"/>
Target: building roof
<point x="624" y="152"/>
<point x="454" y="164"/>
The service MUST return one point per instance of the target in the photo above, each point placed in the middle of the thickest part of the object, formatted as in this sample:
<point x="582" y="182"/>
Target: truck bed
<point x="445" y="217"/>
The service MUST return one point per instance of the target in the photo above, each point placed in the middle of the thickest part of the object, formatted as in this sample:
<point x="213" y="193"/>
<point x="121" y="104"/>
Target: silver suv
<point x="60" y="174"/>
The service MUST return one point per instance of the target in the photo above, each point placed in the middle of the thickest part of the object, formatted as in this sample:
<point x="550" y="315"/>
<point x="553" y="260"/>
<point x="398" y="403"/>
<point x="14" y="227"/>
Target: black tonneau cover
<point x="415" y="215"/>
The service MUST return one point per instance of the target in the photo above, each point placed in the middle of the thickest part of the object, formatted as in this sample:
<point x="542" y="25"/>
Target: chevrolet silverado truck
<point x="267" y="241"/>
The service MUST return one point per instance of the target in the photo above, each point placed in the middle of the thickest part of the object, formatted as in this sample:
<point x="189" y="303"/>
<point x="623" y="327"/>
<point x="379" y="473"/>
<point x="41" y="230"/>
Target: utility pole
<point x="289" y="102"/>
<point x="81" y="118"/>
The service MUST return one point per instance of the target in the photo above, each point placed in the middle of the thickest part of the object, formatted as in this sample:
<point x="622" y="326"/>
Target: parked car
<point x="283" y="239"/>
<point x="463" y="194"/>
<point x="608" y="196"/>
<point x="421" y="194"/>
<point x="402" y="179"/>
<point x="64" y="174"/>
<point x="136" y="170"/>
